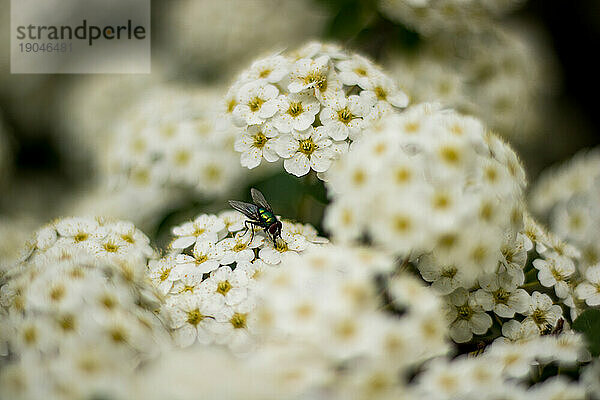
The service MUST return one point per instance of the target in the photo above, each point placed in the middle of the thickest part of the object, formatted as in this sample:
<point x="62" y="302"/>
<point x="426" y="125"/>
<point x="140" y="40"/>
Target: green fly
<point x="260" y="214"/>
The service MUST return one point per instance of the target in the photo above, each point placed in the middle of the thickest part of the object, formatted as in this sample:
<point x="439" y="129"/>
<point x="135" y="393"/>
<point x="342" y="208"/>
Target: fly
<point x="260" y="214"/>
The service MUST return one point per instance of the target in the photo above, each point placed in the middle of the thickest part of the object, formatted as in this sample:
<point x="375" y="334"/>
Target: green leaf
<point x="588" y="323"/>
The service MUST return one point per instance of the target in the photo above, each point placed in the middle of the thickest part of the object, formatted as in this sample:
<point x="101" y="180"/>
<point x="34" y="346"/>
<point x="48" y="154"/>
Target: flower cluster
<point x="430" y="181"/>
<point x="324" y="328"/>
<point x="537" y="276"/>
<point x="73" y="237"/>
<point x="76" y="325"/>
<point x="504" y="371"/>
<point x="307" y="106"/>
<point x="209" y="277"/>
<point x="342" y="322"/>
<point x="434" y="16"/>
<point x="568" y="195"/>
<point x="173" y="138"/>
<point x="503" y="76"/>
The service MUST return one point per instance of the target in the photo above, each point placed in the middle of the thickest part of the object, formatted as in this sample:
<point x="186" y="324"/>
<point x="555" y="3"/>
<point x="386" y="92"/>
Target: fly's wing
<point x="249" y="210"/>
<point x="260" y="200"/>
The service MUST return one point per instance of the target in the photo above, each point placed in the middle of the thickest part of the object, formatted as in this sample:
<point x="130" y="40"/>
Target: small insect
<point x="555" y="330"/>
<point x="260" y="214"/>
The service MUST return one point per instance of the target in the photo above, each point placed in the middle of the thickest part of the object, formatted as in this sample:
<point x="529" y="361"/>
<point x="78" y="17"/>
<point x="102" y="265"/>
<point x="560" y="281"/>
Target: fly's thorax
<point x="266" y="217"/>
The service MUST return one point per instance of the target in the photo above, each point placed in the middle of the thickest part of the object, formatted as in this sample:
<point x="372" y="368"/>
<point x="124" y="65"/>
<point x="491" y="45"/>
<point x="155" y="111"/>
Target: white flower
<point x="357" y="71"/>
<point x="206" y="256"/>
<point x="306" y="150"/>
<point x="443" y="380"/>
<point x="191" y="317"/>
<point x="445" y="278"/>
<point x="516" y="331"/>
<point x="288" y="245"/>
<point x="514" y="359"/>
<point x="382" y="88"/>
<point x="589" y="290"/>
<point x="234" y="326"/>
<point x="343" y="116"/>
<point x="231" y="286"/>
<point x="189" y="281"/>
<point x="542" y="311"/>
<point x="295" y="111"/>
<point x="566" y="348"/>
<point x="257" y="101"/>
<point x="237" y="249"/>
<point x="203" y="228"/>
<point x="159" y="272"/>
<point x="557" y="388"/>
<point x="554" y="271"/>
<point x="234" y="220"/>
<point x="466" y="316"/>
<point x="272" y="69"/>
<point x="307" y="73"/>
<point x="78" y="229"/>
<point x="256" y="142"/>
<point x="499" y="294"/>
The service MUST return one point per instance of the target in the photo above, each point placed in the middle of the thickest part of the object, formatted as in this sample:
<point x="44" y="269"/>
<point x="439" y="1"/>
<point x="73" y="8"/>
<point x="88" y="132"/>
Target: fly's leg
<point x="250" y="225"/>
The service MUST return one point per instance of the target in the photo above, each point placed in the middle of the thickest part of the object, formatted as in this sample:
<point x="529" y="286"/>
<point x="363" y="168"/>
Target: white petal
<point x="183" y="242"/>
<point x="298" y="165"/>
<point x="251" y="158"/>
<point x="480" y="323"/>
<point x="185" y="336"/>
<point x="286" y="146"/>
<point x="320" y="161"/>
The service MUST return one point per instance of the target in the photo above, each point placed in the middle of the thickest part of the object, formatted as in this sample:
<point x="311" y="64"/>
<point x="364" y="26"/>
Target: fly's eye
<point x="273" y="229"/>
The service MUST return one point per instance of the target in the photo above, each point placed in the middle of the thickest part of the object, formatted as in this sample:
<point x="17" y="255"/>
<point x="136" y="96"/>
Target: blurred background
<point x="84" y="144"/>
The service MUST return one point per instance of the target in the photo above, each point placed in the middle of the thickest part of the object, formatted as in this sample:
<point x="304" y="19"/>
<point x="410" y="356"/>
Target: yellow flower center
<point x="318" y="79"/>
<point x="501" y="296"/>
<point x="380" y="93"/>
<point x="449" y="272"/>
<point x="110" y="247"/>
<point x="295" y="109"/>
<point x="194" y="317"/>
<point x="260" y="140"/>
<point x="281" y="246"/>
<point x="450" y="154"/>
<point x="80" y="237"/>
<point x="238" y="320"/>
<point x="539" y="317"/>
<point x="223" y="287"/>
<point x="30" y="335"/>
<point x="307" y="146"/>
<point x="182" y="157"/>
<point x="108" y="301"/>
<point x="255" y="104"/>
<point x="239" y="247"/>
<point x="464" y="312"/>
<point x="57" y="293"/>
<point x="212" y="173"/>
<point x="264" y="73"/>
<point x="198" y="231"/>
<point x="118" y="335"/>
<point x="165" y="274"/>
<point x="128" y="237"/>
<point x="67" y="322"/>
<point x="200" y="258"/>
<point x="231" y="105"/>
<point x="345" y="116"/>
<point x="360" y="71"/>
